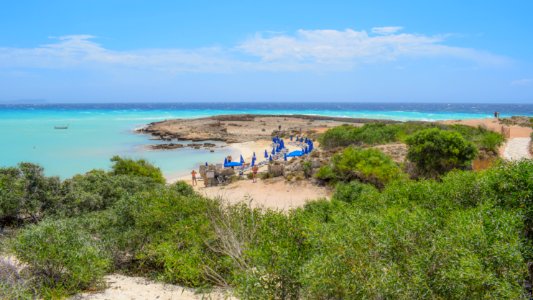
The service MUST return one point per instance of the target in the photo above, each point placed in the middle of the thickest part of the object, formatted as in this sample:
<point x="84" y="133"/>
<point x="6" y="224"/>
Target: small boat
<point x="61" y="127"/>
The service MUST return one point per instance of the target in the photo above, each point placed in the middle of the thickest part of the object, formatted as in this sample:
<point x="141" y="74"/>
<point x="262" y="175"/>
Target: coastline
<point x="254" y="139"/>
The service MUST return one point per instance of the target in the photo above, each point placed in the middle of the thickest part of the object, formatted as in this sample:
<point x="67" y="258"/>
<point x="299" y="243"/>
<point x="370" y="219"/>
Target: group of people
<point x="255" y="170"/>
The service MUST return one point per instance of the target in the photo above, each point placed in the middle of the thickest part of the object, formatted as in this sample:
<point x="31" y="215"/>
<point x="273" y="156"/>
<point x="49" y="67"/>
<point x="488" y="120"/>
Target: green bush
<point x="11" y="191"/>
<point x="435" y="151"/>
<point x="477" y="254"/>
<point x="98" y="190"/>
<point x="25" y="193"/>
<point x="484" y="139"/>
<point x="126" y="166"/>
<point x="173" y="235"/>
<point x="351" y="192"/>
<point x="462" y="236"/>
<point x="378" y="133"/>
<point x="183" y="188"/>
<point x="367" y="165"/>
<point x="512" y="187"/>
<point x="61" y="256"/>
<point x="368" y="134"/>
<point x="274" y="257"/>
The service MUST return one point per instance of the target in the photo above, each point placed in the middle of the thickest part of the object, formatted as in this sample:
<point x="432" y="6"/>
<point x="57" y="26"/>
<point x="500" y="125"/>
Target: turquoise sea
<point x="98" y="131"/>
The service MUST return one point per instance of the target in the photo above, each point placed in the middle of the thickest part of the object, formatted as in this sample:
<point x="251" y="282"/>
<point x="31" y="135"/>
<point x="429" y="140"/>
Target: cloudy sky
<point x="161" y="51"/>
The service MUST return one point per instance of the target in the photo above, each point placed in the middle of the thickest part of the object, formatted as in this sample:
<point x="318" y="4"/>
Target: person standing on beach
<point x="194" y="182"/>
<point x="254" y="173"/>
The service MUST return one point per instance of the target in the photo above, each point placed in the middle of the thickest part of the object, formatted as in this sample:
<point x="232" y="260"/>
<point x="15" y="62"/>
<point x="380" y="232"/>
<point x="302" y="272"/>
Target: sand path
<point x="272" y="193"/>
<point x="518" y="140"/>
<point x="137" y="288"/>
<point x="517" y="148"/>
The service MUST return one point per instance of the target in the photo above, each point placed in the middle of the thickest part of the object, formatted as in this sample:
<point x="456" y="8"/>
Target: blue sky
<point x="159" y="51"/>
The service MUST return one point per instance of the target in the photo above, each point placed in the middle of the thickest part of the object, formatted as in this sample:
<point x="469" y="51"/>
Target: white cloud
<point x="352" y="47"/>
<point x="386" y="29"/>
<point x="323" y="50"/>
<point x="523" y="82"/>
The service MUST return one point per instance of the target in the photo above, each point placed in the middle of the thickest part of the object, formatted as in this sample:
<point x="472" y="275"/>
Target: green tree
<point x="435" y="151"/>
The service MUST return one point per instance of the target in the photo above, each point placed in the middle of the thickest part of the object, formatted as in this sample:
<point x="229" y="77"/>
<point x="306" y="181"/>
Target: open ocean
<point x="98" y="131"/>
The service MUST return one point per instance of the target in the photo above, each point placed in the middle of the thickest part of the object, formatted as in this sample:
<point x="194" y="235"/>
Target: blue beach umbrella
<point x="253" y="161"/>
<point x="253" y="156"/>
<point x="270" y="158"/>
<point x="273" y="151"/>
<point x="266" y="154"/>
<point x="225" y="161"/>
<point x="242" y="160"/>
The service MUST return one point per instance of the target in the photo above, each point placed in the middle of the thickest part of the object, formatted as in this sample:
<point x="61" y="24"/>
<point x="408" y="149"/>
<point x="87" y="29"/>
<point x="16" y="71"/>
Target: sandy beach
<point x="274" y="193"/>
<point x="279" y="194"/>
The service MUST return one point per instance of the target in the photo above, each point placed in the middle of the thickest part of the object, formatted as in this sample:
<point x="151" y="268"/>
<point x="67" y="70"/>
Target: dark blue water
<point x="431" y="109"/>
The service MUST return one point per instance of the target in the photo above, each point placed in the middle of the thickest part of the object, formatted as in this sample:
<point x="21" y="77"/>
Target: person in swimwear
<point x="254" y="173"/>
<point x="194" y="182"/>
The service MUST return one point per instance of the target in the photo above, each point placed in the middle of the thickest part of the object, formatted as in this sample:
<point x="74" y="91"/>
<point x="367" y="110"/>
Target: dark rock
<point x="166" y="146"/>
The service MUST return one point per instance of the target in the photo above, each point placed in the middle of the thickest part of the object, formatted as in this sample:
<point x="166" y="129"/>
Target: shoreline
<point x="255" y="140"/>
<point x="244" y="127"/>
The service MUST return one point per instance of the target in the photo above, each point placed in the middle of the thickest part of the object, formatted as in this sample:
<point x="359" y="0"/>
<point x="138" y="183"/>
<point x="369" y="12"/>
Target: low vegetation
<point x="465" y="235"/>
<point x="374" y="134"/>
<point x="435" y="152"/>
<point x="365" y="165"/>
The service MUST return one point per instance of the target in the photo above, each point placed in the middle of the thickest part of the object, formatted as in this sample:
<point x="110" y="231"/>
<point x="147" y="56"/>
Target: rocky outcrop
<point x="243" y="128"/>
<point x="172" y="146"/>
<point x="166" y="146"/>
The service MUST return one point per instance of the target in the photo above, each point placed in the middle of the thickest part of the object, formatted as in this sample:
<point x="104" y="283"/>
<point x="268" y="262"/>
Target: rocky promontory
<point x="244" y="128"/>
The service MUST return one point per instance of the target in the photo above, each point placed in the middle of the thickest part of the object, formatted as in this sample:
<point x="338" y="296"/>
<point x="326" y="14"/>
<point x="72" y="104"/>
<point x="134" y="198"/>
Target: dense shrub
<point x="435" y="151"/>
<point x="462" y="236"/>
<point x="173" y="235"/>
<point x="351" y="191"/>
<point x="98" y="190"/>
<point x="368" y="134"/>
<point x="366" y="165"/>
<point x="477" y="254"/>
<point x="25" y="193"/>
<point x="62" y="257"/>
<point x="378" y="133"/>
<point x="274" y="256"/>
<point x="126" y="166"/>
<point x="11" y="191"/>
<point x="512" y="186"/>
<point x="183" y="188"/>
<point x="484" y="139"/>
